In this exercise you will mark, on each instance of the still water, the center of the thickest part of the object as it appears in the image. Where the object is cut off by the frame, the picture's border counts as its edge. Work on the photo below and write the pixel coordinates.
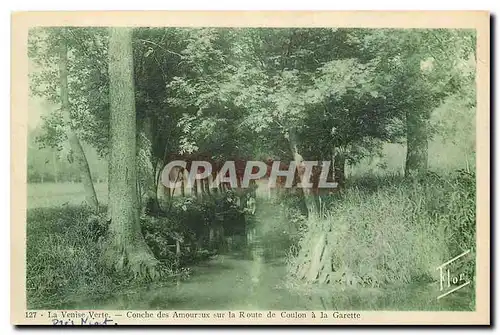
(238, 282)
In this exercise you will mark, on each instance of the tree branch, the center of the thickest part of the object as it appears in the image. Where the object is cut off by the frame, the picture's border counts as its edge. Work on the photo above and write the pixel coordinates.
(159, 46)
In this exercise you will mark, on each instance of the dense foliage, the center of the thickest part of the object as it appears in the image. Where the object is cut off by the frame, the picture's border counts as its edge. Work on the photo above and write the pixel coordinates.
(242, 92)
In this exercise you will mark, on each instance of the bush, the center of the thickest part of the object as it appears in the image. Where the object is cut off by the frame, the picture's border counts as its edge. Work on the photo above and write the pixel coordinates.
(194, 217)
(64, 246)
(457, 213)
(63, 258)
(392, 231)
(162, 234)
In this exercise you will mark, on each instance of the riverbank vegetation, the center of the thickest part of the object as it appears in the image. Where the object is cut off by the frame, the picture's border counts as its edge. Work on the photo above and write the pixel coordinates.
(393, 110)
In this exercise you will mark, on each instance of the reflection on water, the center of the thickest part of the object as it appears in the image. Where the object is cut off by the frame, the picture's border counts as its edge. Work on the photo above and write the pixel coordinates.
(235, 282)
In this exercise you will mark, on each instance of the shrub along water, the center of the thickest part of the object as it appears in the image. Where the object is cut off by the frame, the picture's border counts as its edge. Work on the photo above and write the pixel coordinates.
(65, 245)
(388, 231)
(63, 257)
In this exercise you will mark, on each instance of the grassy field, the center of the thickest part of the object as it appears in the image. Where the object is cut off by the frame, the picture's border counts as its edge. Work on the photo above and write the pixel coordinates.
(44, 195)
(444, 157)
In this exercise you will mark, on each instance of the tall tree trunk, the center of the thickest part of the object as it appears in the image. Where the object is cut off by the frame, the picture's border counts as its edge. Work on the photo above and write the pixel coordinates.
(56, 170)
(206, 183)
(126, 250)
(417, 143)
(194, 188)
(162, 193)
(147, 169)
(76, 147)
(310, 200)
(183, 188)
(339, 169)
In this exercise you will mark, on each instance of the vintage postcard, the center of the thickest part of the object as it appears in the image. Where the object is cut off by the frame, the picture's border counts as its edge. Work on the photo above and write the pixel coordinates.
(247, 168)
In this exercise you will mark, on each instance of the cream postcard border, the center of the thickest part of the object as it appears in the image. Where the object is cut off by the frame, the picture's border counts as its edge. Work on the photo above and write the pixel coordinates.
(479, 20)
